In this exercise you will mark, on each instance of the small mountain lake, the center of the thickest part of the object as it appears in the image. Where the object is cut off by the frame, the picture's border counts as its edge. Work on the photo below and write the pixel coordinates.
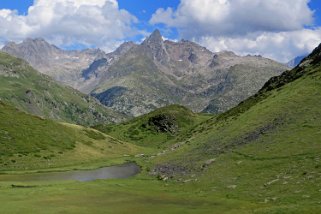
(111, 172)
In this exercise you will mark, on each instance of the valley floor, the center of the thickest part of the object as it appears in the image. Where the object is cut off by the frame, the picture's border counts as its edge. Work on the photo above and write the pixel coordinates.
(214, 191)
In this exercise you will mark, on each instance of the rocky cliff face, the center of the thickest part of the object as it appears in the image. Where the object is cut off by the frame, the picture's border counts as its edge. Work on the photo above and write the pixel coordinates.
(136, 79)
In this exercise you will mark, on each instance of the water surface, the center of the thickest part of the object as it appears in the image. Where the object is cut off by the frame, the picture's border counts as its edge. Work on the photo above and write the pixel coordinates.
(112, 172)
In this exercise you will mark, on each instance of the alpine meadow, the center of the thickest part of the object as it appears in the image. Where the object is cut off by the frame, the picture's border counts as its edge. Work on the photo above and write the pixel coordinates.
(185, 106)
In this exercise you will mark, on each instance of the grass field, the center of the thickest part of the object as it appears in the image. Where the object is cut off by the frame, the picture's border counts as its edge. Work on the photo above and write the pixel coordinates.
(31, 143)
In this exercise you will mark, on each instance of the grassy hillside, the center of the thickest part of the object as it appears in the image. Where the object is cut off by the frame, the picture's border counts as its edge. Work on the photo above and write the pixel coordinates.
(157, 129)
(35, 93)
(266, 150)
(29, 142)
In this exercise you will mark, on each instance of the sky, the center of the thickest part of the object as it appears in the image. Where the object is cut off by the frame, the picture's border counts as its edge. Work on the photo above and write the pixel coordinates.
(280, 30)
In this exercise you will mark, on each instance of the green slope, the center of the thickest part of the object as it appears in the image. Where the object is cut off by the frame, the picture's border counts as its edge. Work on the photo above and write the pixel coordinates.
(29, 142)
(35, 93)
(157, 129)
(266, 150)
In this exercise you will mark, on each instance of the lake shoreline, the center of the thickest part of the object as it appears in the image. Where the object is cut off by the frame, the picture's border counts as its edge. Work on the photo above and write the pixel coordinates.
(118, 171)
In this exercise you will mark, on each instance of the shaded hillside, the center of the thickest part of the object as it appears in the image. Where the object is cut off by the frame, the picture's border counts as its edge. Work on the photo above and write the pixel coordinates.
(28, 90)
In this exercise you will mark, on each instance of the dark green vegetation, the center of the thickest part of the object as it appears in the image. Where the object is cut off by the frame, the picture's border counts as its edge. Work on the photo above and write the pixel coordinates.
(35, 93)
(157, 129)
(262, 156)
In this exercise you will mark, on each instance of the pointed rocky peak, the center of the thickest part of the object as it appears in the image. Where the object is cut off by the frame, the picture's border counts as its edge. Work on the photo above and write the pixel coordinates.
(155, 46)
(154, 39)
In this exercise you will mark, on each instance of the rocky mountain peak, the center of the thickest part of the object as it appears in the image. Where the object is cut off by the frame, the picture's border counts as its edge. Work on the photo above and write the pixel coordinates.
(30, 46)
(155, 44)
(154, 39)
(39, 43)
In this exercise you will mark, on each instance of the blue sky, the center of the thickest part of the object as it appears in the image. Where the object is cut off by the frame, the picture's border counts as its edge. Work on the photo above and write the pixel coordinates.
(143, 9)
(316, 6)
(287, 30)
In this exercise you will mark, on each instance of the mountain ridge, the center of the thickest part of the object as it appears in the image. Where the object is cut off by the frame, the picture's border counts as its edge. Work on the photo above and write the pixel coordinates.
(160, 72)
(182, 73)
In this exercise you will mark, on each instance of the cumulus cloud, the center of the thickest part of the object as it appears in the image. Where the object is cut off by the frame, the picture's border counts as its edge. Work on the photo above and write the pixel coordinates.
(68, 22)
(274, 28)
(280, 46)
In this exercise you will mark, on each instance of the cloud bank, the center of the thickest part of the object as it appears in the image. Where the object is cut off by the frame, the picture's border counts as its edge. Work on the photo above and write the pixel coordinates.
(67, 22)
(274, 28)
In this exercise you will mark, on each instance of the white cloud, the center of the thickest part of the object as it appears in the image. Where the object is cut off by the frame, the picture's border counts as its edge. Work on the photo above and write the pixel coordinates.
(67, 22)
(272, 28)
(280, 46)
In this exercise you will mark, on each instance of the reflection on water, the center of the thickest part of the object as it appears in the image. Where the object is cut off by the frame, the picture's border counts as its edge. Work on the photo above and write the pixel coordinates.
(121, 171)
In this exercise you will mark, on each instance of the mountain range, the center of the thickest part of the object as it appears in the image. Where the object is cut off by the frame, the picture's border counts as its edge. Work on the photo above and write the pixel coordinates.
(138, 78)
